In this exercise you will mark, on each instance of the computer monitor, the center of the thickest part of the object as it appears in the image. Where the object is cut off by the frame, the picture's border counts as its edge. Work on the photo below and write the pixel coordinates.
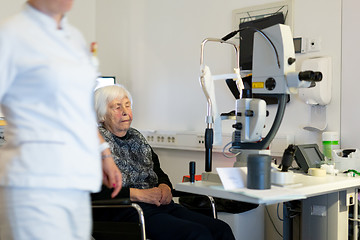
(247, 37)
(103, 81)
(308, 156)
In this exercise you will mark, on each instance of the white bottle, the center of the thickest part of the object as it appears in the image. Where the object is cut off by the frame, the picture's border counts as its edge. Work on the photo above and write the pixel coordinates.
(330, 141)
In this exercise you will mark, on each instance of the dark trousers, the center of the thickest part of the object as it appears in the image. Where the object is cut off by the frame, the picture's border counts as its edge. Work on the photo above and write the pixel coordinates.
(174, 221)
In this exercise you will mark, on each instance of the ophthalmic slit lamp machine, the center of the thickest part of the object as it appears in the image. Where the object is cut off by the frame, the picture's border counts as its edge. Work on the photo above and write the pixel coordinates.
(273, 75)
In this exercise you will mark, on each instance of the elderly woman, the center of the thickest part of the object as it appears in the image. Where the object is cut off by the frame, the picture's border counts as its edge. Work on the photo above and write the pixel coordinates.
(143, 179)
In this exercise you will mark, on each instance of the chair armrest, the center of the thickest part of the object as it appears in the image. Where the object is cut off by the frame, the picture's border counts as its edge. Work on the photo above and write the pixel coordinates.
(122, 203)
(176, 193)
(109, 202)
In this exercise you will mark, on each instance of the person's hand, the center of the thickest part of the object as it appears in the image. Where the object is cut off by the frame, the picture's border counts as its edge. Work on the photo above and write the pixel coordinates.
(112, 177)
(166, 195)
(151, 195)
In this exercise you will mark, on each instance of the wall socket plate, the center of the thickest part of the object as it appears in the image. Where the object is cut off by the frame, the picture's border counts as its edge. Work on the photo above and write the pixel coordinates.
(181, 140)
(350, 199)
(314, 44)
(196, 141)
(304, 45)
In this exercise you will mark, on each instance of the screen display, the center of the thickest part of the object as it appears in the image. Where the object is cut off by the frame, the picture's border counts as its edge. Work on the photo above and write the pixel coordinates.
(308, 156)
(313, 156)
(297, 45)
(247, 37)
(103, 81)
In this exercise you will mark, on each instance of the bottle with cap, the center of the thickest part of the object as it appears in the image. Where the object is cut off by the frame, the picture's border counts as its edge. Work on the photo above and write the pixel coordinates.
(330, 141)
(94, 51)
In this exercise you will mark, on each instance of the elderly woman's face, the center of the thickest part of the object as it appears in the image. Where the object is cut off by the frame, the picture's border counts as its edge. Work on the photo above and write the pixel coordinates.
(118, 116)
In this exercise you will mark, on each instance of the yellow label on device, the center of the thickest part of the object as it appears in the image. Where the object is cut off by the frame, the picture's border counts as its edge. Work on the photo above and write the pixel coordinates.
(257, 85)
(2, 122)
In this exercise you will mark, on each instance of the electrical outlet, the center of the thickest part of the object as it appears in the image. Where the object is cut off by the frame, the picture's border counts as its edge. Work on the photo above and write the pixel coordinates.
(150, 139)
(200, 140)
(180, 140)
(171, 139)
(350, 199)
(160, 139)
(314, 44)
(165, 139)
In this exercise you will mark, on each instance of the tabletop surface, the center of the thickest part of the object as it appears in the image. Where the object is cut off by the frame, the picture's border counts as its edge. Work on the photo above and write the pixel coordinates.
(304, 186)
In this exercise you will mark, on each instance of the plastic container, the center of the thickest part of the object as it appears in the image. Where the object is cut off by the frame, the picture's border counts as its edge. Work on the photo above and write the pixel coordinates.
(259, 171)
(330, 141)
(344, 163)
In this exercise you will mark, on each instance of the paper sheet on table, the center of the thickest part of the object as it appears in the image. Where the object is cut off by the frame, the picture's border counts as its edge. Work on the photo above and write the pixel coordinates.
(273, 195)
(232, 178)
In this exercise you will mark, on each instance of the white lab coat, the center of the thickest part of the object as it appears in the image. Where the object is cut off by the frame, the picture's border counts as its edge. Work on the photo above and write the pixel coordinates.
(46, 95)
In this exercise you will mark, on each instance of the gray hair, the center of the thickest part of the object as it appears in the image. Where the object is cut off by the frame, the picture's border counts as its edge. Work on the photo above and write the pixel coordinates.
(106, 94)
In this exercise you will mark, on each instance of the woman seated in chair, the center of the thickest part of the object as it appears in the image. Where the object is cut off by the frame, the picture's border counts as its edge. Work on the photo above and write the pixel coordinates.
(144, 182)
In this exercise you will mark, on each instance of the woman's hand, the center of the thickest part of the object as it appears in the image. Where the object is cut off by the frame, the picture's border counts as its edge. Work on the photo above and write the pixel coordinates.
(158, 195)
(151, 195)
(166, 195)
(112, 177)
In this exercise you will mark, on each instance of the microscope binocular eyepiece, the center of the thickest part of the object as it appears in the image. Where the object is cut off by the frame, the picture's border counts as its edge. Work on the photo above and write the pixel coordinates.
(310, 76)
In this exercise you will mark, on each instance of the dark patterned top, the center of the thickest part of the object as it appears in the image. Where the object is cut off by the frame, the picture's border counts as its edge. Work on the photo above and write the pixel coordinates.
(137, 161)
(132, 154)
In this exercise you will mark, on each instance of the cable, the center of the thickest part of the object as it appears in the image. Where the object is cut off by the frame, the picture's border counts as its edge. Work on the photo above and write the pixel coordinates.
(232, 34)
(352, 171)
(229, 155)
(272, 222)
(277, 212)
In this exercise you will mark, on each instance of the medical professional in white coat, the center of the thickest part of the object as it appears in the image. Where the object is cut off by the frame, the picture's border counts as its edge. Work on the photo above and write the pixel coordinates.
(52, 158)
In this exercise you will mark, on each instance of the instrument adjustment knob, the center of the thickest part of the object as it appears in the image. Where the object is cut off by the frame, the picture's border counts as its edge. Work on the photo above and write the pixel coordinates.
(270, 84)
(291, 60)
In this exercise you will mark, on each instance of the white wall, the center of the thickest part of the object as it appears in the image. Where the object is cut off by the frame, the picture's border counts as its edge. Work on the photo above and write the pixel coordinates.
(153, 47)
(350, 110)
